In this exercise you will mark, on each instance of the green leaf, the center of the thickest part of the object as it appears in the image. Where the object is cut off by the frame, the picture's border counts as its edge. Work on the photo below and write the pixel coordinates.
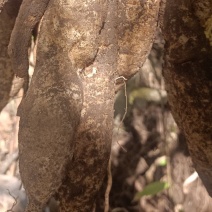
(162, 161)
(152, 189)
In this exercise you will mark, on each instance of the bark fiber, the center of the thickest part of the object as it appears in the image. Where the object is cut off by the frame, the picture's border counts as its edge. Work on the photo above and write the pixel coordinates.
(187, 73)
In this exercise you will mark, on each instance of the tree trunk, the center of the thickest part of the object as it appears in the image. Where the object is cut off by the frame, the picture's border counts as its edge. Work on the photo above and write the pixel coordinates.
(66, 118)
(187, 72)
(75, 65)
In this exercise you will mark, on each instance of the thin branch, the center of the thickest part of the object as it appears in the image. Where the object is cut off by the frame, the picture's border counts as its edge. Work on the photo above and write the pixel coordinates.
(125, 110)
(109, 185)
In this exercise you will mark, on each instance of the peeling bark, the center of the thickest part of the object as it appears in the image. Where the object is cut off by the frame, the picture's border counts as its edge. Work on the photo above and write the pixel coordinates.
(7, 20)
(187, 73)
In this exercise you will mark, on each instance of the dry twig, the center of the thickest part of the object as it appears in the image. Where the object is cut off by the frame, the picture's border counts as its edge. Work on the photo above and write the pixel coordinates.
(14, 203)
(109, 185)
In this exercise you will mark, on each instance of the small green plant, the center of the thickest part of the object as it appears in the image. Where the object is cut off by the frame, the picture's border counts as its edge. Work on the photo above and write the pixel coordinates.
(152, 189)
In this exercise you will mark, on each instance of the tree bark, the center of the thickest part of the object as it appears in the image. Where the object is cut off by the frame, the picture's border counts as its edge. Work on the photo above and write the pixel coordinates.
(8, 13)
(137, 22)
(94, 134)
(66, 118)
(187, 73)
(75, 63)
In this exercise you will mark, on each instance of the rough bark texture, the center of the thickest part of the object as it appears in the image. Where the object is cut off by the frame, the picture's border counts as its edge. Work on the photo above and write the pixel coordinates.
(187, 73)
(94, 134)
(67, 115)
(137, 21)
(72, 56)
(7, 20)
